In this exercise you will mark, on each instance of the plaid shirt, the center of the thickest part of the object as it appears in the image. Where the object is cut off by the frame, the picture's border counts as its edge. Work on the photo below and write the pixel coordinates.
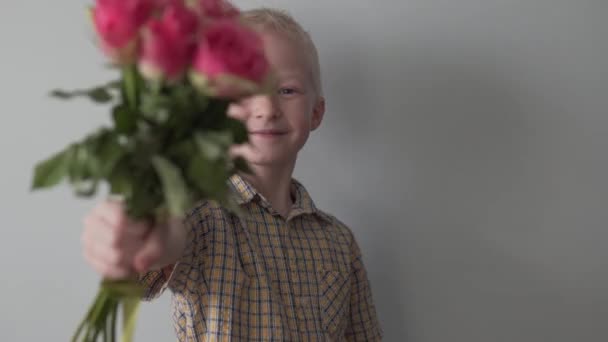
(262, 277)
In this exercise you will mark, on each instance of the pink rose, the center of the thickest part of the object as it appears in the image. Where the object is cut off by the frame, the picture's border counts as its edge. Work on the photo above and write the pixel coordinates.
(118, 23)
(230, 60)
(169, 43)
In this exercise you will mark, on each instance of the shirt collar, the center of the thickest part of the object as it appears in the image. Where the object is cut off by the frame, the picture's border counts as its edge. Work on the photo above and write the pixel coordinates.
(244, 192)
(303, 203)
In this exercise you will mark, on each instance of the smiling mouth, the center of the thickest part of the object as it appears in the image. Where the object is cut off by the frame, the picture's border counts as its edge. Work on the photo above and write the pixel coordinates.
(268, 133)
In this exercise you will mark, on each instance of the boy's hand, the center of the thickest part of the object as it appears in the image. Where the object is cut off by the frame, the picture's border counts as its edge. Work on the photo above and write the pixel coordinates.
(117, 247)
(237, 110)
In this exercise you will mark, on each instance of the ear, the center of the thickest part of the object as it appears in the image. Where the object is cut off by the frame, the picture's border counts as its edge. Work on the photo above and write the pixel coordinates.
(317, 113)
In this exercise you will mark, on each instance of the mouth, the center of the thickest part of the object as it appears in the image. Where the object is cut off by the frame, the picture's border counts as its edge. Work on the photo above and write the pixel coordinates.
(267, 133)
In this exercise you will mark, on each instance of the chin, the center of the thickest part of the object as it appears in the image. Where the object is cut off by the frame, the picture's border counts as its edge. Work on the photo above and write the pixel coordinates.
(271, 160)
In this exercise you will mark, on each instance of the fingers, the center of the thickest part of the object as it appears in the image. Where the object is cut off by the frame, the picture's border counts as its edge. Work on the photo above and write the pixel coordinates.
(108, 261)
(149, 253)
(136, 230)
(110, 239)
(243, 150)
(97, 232)
(237, 111)
(112, 212)
(240, 112)
(105, 269)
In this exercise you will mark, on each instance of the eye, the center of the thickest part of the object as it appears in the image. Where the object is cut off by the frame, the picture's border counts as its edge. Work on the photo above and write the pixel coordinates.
(287, 91)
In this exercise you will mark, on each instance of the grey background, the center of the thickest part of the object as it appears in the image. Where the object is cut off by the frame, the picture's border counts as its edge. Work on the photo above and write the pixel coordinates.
(465, 143)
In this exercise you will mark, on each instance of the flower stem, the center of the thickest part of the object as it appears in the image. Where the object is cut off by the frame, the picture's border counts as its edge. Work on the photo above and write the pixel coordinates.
(130, 85)
(114, 312)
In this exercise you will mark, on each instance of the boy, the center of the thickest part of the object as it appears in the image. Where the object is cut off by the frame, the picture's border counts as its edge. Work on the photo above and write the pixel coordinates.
(285, 271)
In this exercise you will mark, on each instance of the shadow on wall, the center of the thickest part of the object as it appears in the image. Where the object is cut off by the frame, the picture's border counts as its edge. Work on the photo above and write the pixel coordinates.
(450, 131)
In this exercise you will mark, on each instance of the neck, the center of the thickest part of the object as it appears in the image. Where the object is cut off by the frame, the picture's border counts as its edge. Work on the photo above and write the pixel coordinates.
(274, 184)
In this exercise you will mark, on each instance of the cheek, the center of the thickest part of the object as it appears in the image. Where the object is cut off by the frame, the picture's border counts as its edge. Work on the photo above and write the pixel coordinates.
(299, 115)
(303, 132)
(303, 124)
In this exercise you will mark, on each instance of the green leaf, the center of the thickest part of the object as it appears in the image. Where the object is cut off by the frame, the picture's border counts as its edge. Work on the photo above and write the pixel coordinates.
(79, 167)
(82, 169)
(86, 188)
(239, 131)
(213, 144)
(100, 95)
(125, 119)
(156, 107)
(120, 180)
(174, 188)
(109, 153)
(183, 150)
(240, 164)
(146, 191)
(97, 94)
(116, 84)
(63, 94)
(201, 101)
(182, 95)
(209, 176)
(51, 171)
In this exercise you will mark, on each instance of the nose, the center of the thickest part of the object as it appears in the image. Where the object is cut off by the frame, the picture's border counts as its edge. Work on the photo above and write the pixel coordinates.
(264, 107)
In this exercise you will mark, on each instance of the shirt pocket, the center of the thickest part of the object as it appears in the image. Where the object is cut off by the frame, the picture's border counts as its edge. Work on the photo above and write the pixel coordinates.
(334, 297)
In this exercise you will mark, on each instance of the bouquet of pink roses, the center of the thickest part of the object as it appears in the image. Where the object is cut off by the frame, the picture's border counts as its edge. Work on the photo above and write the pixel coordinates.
(181, 63)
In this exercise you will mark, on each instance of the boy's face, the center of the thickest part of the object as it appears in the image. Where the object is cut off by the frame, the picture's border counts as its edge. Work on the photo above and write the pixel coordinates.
(279, 124)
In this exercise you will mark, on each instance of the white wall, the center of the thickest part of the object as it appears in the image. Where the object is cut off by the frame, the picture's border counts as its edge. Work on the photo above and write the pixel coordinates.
(465, 144)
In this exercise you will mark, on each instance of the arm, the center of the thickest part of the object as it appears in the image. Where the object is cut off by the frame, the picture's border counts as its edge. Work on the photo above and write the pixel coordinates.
(363, 322)
(172, 269)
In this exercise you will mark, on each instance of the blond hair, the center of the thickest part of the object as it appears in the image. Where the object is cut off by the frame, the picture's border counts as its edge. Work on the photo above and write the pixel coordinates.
(280, 21)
